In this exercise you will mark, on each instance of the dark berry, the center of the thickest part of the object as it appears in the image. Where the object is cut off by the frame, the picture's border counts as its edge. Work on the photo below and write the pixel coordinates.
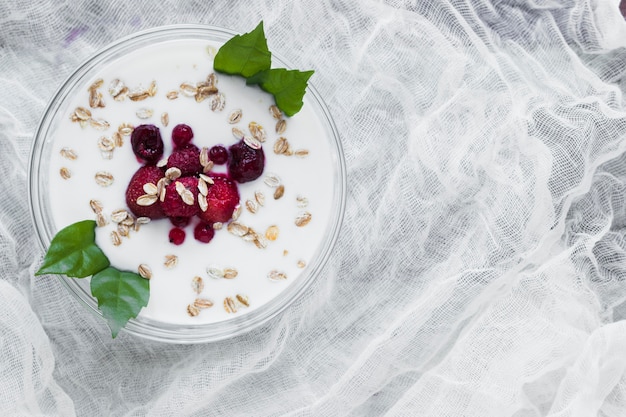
(218, 154)
(187, 159)
(173, 204)
(203, 232)
(222, 198)
(177, 236)
(147, 143)
(144, 175)
(181, 135)
(244, 163)
(179, 221)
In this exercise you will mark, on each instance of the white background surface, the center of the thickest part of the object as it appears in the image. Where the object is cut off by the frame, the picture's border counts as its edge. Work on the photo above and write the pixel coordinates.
(481, 269)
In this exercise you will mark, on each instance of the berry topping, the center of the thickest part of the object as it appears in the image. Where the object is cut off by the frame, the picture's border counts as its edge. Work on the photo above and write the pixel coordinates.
(135, 190)
(222, 198)
(179, 221)
(181, 198)
(218, 154)
(181, 135)
(244, 163)
(203, 232)
(177, 236)
(187, 159)
(147, 143)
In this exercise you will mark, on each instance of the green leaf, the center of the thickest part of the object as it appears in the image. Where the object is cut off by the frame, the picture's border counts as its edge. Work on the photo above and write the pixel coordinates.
(120, 294)
(73, 252)
(245, 54)
(287, 87)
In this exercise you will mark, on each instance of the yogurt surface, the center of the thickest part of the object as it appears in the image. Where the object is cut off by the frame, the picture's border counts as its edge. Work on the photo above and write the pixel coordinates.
(308, 182)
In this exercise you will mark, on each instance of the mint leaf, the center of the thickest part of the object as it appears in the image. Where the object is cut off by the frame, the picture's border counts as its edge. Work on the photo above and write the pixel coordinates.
(73, 252)
(120, 294)
(287, 87)
(245, 54)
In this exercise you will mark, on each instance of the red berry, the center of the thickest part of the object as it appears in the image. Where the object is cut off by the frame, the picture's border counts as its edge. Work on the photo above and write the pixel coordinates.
(204, 232)
(222, 198)
(144, 175)
(244, 163)
(177, 236)
(181, 135)
(147, 143)
(173, 204)
(180, 221)
(187, 159)
(218, 154)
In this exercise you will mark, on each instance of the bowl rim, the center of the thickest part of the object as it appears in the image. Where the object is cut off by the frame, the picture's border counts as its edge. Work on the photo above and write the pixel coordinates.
(165, 332)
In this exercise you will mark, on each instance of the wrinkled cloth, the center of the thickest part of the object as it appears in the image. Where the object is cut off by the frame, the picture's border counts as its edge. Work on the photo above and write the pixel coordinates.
(481, 266)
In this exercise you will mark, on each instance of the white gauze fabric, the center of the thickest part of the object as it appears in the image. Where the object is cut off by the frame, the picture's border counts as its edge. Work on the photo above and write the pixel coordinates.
(481, 268)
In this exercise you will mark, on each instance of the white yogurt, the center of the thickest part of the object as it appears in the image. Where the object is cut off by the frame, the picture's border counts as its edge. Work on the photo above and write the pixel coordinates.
(169, 64)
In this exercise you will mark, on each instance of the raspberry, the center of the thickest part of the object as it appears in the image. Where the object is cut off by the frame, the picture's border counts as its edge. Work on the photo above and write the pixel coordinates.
(218, 154)
(222, 198)
(203, 232)
(144, 175)
(181, 135)
(177, 236)
(147, 143)
(173, 205)
(187, 159)
(244, 163)
(179, 221)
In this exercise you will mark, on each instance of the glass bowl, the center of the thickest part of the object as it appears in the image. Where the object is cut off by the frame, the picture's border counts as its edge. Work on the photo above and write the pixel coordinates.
(43, 154)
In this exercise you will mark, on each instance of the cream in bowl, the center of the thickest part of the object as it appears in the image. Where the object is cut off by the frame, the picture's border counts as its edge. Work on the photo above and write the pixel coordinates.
(197, 182)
